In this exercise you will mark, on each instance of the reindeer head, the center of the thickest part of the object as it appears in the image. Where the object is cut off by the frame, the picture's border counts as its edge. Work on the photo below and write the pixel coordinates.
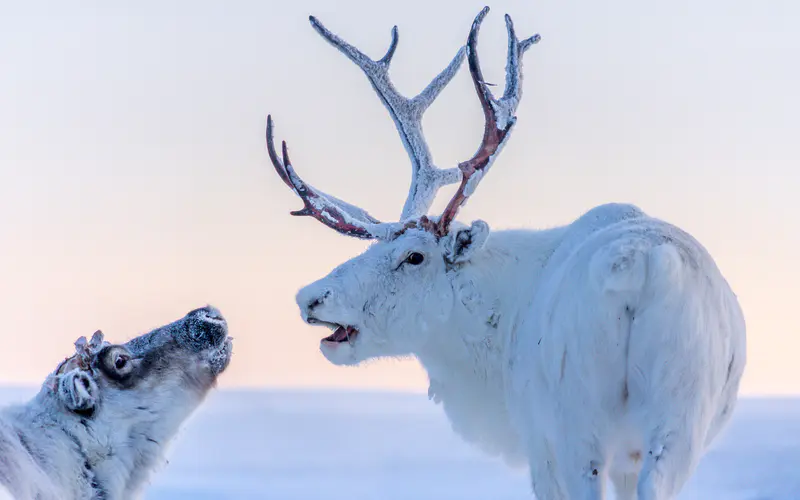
(120, 404)
(154, 380)
(387, 300)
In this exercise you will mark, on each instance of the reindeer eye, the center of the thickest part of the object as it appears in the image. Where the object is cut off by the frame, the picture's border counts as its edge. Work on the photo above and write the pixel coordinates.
(415, 258)
(120, 361)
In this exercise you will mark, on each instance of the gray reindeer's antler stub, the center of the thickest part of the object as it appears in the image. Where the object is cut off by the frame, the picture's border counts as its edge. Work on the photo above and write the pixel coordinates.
(84, 352)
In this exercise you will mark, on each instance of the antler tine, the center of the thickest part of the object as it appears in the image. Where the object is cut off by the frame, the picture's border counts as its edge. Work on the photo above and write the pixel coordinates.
(499, 115)
(426, 178)
(331, 211)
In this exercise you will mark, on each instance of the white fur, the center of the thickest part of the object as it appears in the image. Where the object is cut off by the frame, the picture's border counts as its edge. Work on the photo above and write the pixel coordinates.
(611, 347)
(48, 451)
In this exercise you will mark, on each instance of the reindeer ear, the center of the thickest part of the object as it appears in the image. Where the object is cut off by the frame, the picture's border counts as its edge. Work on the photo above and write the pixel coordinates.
(461, 244)
(77, 390)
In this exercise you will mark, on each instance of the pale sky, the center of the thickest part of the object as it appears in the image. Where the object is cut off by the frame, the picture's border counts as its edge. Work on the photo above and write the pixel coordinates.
(135, 183)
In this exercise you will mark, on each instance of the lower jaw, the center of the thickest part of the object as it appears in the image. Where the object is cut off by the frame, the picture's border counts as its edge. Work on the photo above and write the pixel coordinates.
(331, 344)
(221, 359)
(334, 341)
(338, 353)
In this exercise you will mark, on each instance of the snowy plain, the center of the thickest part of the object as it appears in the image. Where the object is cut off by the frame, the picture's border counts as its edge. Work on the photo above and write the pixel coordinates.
(339, 445)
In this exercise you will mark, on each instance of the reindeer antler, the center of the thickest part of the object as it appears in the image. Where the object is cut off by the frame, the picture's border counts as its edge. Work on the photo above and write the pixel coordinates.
(426, 178)
(84, 351)
(339, 215)
(499, 114)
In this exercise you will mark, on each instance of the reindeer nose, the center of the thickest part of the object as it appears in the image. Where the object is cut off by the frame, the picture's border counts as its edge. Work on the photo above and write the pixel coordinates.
(207, 325)
(310, 298)
(211, 313)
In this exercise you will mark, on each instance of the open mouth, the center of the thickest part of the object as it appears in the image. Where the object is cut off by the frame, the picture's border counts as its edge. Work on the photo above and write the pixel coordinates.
(340, 333)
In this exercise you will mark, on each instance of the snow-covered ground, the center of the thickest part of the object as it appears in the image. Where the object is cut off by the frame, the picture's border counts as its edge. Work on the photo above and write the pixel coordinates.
(293, 445)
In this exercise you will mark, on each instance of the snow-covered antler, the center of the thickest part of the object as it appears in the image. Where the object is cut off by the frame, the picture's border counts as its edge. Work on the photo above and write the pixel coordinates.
(407, 113)
(339, 215)
(499, 114)
(426, 178)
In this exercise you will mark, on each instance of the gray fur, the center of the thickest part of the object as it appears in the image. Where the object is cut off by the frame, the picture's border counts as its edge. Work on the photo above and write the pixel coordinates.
(100, 423)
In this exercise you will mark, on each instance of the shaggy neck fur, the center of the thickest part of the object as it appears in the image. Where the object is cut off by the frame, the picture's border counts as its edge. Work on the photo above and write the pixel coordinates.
(465, 362)
(77, 455)
(53, 443)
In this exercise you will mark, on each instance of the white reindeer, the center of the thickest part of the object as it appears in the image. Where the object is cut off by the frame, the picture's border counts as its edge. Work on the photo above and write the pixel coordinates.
(100, 423)
(610, 347)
